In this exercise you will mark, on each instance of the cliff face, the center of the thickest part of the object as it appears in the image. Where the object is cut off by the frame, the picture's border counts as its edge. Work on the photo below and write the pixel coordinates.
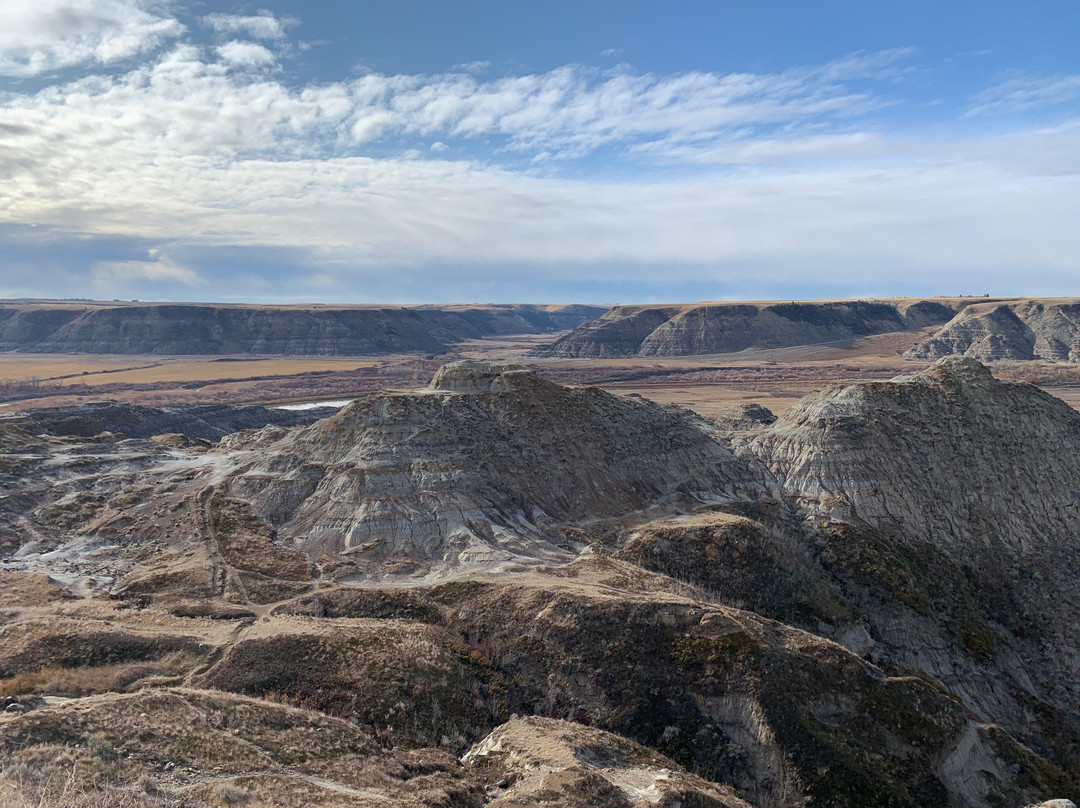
(206, 329)
(618, 333)
(1030, 329)
(729, 327)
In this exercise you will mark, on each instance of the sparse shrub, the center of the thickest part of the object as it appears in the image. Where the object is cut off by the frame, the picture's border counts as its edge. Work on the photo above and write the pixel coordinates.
(230, 793)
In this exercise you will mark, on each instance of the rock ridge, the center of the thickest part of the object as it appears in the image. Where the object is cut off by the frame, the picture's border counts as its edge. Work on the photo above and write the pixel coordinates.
(178, 329)
(707, 328)
(1024, 330)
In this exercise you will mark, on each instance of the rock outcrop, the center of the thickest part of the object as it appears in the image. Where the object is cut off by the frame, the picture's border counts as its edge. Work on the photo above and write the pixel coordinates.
(1021, 330)
(541, 761)
(783, 716)
(315, 331)
(950, 500)
(708, 328)
(483, 464)
(203, 421)
(871, 600)
(235, 750)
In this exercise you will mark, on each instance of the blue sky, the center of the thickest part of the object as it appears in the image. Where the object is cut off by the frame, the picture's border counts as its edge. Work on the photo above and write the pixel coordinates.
(419, 151)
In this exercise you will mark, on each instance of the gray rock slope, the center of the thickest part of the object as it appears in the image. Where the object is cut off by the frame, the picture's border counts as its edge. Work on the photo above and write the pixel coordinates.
(486, 458)
(942, 510)
(928, 524)
(727, 327)
(1028, 329)
(206, 421)
(325, 331)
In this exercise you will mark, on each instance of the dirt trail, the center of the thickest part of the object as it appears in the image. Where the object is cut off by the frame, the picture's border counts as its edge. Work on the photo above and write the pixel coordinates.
(286, 774)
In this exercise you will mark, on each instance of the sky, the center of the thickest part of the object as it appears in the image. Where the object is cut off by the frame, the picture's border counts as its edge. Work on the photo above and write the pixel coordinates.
(406, 151)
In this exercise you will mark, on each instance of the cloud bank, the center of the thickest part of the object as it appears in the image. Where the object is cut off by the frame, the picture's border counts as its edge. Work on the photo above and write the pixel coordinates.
(198, 148)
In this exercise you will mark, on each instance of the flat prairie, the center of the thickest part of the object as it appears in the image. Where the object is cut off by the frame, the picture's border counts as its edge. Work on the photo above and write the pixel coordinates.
(65, 369)
(707, 384)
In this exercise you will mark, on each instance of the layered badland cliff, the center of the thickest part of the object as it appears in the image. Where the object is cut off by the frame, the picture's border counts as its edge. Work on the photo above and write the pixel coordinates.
(1028, 329)
(869, 601)
(315, 331)
(1046, 329)
(709, 328)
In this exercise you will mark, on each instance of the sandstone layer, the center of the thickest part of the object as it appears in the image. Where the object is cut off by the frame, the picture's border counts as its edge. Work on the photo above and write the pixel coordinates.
(205, 422)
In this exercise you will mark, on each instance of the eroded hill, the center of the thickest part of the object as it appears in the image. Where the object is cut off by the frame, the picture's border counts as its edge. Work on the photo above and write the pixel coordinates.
(1021, 330)
(713, 328)
(868, 601)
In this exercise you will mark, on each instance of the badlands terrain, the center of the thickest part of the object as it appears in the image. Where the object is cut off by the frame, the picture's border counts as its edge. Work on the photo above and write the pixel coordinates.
(513, 571)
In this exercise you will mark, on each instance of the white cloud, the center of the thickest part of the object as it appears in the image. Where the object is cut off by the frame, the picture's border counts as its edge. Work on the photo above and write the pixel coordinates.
(772, 170)
(260, 26)
(245, 54)
(38, 36)
(110, 274)
(1024, 92)
(880, 65)
(472, 67)
(575, 109)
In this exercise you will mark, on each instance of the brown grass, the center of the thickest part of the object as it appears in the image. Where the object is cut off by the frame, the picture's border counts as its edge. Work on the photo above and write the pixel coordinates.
(61, 792)
(77, 682)
(98, 370)
(711, 400)
(22, 589)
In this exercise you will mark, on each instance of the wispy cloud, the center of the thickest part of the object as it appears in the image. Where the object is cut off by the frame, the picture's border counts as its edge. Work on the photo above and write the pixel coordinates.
(260, 26)
(246, 54)
(108, 275)
(38, 36)
(201, 148)
(1024, 92)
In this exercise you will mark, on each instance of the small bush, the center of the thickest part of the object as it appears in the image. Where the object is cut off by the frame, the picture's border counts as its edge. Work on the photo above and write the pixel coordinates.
(230, 794)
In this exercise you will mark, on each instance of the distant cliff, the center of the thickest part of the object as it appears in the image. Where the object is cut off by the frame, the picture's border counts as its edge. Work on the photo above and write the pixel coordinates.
(1024, 329)
(706, 328)
(315, 331)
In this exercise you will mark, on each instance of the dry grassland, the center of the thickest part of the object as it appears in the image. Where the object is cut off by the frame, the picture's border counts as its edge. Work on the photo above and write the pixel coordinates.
(99, 370)
(711, 400)
(708, 384)
(16, 367)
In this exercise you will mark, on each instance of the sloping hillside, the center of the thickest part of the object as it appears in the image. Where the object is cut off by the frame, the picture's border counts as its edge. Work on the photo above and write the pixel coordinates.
(1021, 330)
(871, 600)
(709, 328)
(170, 329)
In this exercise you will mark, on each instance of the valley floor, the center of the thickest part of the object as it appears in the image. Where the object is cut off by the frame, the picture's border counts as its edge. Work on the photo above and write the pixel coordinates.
(707, 384)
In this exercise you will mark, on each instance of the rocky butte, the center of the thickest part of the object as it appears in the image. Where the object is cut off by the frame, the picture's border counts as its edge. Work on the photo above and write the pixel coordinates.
(501, 591)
